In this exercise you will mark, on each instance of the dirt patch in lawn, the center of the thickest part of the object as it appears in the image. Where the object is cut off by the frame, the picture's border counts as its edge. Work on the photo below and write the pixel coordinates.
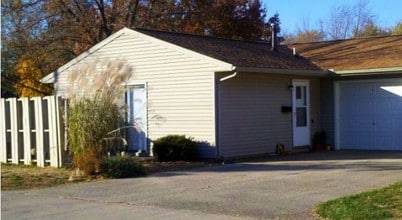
(18, 177)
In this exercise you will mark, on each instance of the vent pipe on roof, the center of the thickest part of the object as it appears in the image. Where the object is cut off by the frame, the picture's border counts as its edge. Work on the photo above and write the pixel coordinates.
(208, 32)
(273, 37)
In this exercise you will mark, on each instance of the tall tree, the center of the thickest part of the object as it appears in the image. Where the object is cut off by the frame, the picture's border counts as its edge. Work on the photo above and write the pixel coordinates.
(347, 21)
(49, 33)
(305, 33)
(305, 37)
(22, 25)
(362, 17)
(239, 19)
(276, 21)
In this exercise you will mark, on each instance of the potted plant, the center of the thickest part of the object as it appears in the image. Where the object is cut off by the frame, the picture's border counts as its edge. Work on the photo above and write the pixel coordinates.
(319, 141)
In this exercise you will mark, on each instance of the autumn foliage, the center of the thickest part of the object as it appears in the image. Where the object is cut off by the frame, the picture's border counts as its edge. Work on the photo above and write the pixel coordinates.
(38, 36)
(29, 76)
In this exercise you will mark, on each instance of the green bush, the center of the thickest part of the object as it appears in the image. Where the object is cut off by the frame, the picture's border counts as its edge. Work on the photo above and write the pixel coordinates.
(174, 148)
(121, 167)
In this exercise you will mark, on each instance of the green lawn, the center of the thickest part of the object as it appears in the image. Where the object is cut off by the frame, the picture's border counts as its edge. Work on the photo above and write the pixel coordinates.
(377, 204)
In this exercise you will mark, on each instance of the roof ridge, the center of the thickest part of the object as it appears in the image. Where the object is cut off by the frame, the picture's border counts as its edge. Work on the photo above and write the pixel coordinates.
(202, 36)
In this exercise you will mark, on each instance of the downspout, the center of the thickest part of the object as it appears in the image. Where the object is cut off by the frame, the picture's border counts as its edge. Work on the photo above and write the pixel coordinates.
(234, 74)
(229, 76)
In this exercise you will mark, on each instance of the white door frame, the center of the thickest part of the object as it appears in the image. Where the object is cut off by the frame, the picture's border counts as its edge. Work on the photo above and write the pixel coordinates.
(145, 125)
(301, 134)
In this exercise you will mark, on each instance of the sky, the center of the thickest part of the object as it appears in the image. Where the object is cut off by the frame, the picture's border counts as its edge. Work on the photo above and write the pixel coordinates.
(291, 12)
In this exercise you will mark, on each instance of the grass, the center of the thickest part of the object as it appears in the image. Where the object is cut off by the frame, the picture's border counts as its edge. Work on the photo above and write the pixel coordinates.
(18, 177)
(382, 203)
(21, 177)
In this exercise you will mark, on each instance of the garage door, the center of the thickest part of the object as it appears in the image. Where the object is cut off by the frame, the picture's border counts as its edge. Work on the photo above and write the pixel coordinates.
(370, 115)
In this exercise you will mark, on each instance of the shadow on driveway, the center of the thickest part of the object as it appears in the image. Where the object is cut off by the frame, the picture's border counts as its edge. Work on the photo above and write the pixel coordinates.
(344, 160)
(335, 155)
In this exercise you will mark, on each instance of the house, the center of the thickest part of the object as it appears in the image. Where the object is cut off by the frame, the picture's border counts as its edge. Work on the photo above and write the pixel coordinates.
(366, 104)
(242, 97)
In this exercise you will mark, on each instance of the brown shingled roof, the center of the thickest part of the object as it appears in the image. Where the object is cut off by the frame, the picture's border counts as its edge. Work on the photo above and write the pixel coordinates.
(354, 54)
(236, 52)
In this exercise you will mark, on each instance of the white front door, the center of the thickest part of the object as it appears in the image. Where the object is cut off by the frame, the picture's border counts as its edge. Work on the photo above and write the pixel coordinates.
(301, 112)
(137, 118)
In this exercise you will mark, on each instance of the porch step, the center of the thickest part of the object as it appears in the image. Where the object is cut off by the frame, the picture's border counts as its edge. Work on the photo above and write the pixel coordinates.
(140, 154)
(303, 149)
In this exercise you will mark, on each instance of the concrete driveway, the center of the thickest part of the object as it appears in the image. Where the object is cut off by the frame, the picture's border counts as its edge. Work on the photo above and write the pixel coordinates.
(286, 187)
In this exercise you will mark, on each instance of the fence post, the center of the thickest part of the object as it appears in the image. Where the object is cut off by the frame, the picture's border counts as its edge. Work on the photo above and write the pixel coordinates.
(26, 127)
(60, 130)
(3, 132)
(40, 157)
(14, 131)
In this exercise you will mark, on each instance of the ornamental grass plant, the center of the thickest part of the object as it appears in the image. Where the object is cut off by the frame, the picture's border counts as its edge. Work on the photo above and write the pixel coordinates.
(95, 108)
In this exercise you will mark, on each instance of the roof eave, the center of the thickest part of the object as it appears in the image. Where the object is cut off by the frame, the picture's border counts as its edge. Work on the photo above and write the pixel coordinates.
(317, 73)
(50, 78)
(365, 72)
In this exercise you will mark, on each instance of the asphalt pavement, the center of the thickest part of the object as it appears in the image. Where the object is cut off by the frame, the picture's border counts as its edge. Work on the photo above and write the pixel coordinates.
(274, 187)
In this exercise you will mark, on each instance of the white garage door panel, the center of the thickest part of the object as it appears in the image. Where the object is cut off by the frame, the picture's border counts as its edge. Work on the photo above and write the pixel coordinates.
(397, 107)
(370, 115)
(385, 105)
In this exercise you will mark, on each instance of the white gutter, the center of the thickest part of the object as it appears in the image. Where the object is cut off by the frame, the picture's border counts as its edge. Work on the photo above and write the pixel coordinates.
(319, 73)
(369, 71)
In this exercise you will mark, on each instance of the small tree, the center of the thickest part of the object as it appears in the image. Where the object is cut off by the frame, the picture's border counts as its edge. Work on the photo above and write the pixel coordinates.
(305, 33)
(94, 111)
(397, 29)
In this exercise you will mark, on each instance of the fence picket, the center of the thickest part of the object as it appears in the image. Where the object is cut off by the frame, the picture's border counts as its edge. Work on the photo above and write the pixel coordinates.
(14, 130)
(26, 131)
(60, 109)
(40, 157)
(53, 151)
(3, 132)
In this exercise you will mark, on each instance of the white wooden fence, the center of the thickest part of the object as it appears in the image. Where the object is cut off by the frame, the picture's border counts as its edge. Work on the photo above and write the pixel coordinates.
(32, 131)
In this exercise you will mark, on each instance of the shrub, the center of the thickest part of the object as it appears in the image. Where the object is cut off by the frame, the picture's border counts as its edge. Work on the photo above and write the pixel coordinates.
(121, 167)
(87, 161)
(174, 148)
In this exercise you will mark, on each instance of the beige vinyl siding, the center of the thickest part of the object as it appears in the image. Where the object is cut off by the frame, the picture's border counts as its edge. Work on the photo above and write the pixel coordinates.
(180, 86)
(250, 117)
(327, 108)
(315, 100)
